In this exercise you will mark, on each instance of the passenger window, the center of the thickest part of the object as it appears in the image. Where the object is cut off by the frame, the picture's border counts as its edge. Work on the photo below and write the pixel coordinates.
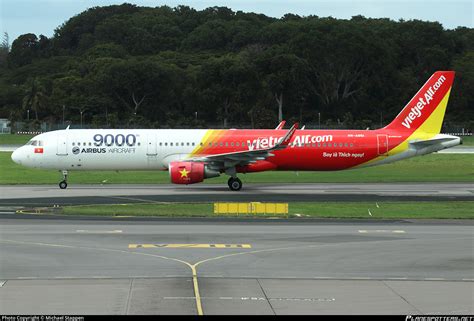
(222, 144)
(237, 144)
(187, 144)
(182, 144)
(243, 144)
(232, 144)
(340, 144)
(210, 144)
(345, 144)
(171, 144)
(352, 145)
(329, 145)
(324, 145)
(226, 144)
(78, 144)
(161, 144)
(73, 144)
(166, 144)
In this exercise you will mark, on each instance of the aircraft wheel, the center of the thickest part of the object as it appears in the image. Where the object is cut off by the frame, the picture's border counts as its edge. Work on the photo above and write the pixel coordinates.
(62, 185)
(235, 184)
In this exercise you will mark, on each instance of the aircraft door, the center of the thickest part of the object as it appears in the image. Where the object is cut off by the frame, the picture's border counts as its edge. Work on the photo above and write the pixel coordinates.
(62, 144)
(151, 149)
(382, 145)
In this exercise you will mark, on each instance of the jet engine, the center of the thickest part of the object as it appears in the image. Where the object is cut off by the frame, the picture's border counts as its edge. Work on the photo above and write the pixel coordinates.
(190, 172)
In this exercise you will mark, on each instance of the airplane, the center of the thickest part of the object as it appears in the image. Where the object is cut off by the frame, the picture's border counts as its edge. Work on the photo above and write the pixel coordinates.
(192, 155)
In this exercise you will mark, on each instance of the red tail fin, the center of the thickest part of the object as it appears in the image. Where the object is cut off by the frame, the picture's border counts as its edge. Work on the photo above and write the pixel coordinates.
(426, 109)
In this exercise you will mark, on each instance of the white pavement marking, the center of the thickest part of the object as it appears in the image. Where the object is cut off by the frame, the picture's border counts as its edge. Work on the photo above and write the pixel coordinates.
(93, 231)
(250, 298)
(2, 283)
(382, 231)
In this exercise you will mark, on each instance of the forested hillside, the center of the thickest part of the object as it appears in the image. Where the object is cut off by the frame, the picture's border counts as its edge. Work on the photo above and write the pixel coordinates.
(125, 65)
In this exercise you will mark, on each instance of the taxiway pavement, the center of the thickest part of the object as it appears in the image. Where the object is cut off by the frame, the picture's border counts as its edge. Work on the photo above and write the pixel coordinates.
(79, 266)
(49, 195)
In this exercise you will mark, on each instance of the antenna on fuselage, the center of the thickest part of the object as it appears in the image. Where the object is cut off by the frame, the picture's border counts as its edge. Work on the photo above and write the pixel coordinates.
(67, 127)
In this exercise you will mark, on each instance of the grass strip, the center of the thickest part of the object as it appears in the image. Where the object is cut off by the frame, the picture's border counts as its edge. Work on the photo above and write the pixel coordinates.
(12, 139)
(342, 210)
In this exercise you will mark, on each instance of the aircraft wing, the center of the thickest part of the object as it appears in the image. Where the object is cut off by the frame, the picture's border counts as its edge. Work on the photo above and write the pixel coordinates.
(246, 157)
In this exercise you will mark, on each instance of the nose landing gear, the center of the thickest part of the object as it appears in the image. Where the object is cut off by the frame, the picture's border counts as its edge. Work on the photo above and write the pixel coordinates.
(63, 183)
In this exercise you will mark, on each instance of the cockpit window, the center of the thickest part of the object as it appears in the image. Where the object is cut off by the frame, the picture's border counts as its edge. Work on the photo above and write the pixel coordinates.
(35, 143)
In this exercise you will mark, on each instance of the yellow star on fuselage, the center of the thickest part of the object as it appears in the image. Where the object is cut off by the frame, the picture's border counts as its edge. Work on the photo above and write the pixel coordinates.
(184, 173)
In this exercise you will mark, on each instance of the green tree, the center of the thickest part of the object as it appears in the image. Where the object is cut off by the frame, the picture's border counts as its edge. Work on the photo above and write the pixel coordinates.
(24, 49)
(4, 50)
(133, 82)
(226, 83)
(287, 77)
(35, 97)
(463, 88)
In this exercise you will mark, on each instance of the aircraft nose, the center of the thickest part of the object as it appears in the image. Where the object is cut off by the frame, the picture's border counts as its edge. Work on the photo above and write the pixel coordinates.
(16, 156)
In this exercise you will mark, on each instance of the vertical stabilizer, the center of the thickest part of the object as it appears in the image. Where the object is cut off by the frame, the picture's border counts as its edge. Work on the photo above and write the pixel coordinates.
(425, 111)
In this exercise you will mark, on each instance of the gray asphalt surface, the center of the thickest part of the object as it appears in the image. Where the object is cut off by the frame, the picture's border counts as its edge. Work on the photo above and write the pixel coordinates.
(79, 266)
(49, 195)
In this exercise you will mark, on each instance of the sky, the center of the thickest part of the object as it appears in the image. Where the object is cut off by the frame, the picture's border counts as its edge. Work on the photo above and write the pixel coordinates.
(18, 17)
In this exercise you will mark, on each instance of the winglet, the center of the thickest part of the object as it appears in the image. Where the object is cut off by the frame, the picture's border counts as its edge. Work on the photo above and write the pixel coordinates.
(287, 138)
(280, 125)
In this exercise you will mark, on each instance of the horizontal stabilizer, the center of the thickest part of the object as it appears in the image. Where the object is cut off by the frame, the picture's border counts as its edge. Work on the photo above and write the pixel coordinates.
(438, 142)
(434, 141)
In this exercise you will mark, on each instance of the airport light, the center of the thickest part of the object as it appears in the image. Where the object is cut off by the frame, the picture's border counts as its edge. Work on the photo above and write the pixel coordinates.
(81, 111)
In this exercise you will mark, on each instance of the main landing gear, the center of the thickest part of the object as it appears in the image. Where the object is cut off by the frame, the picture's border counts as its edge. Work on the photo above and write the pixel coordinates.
(63, 183)
(235, 184)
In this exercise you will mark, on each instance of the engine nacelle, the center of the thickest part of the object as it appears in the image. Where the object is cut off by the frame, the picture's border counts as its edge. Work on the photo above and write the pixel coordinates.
(190, 172)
